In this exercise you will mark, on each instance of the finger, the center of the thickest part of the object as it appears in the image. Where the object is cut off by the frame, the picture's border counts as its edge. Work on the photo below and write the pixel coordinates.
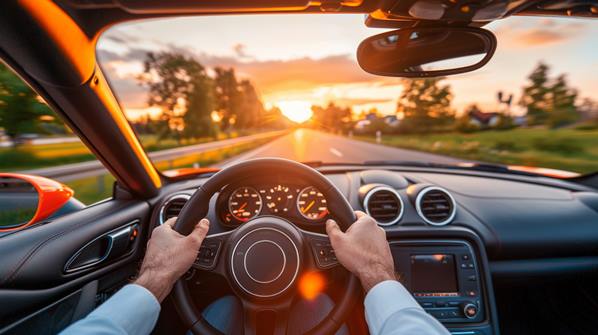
(360, 214)
(199, 232)
(334, 231)
(170, 222)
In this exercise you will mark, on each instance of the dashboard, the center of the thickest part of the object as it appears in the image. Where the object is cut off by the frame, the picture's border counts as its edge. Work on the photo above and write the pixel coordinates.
(451, 233)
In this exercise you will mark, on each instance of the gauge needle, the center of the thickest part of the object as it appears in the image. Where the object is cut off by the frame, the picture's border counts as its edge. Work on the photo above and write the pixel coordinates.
(241, 208)
(308, 206)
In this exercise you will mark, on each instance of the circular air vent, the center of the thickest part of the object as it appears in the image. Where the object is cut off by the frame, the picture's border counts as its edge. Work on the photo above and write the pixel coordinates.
(436, 206)
(384, 204)
(172, 207)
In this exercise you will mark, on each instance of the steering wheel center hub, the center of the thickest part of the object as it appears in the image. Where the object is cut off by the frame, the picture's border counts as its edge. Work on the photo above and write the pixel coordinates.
(264, 261)
(264, 258)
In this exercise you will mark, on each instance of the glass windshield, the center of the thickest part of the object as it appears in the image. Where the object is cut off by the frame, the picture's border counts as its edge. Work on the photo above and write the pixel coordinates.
(203, 91)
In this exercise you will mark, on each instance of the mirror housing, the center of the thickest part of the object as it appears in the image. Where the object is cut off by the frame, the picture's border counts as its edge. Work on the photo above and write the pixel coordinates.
(419, 52)
(34, 198)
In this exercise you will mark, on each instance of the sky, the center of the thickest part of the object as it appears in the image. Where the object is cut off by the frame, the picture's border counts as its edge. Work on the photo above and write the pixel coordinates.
(303, 59)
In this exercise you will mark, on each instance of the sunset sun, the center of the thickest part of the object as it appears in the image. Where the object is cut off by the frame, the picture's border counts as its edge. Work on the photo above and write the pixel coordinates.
(297, 111)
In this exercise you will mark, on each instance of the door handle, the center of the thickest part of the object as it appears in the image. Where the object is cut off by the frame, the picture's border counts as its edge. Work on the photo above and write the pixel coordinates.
(109, 246)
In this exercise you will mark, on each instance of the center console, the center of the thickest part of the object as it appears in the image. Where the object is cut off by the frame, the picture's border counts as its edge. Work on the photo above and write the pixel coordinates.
(446, 278)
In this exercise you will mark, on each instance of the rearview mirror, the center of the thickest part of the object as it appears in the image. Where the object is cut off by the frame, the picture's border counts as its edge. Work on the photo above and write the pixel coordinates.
(426, 52)
(26, 199)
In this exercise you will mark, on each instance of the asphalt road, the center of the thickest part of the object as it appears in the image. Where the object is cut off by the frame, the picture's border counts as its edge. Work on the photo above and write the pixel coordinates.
(306, 145)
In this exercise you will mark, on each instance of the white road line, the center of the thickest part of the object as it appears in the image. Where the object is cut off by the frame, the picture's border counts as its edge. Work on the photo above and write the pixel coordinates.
(336, 152)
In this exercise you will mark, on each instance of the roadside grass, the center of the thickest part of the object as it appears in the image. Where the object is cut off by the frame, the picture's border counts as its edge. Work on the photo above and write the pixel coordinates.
(565, 149)
(93, 189)
(45, 155)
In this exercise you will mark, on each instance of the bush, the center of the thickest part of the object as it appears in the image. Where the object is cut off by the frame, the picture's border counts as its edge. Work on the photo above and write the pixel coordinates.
(463, 125)
(559, 145)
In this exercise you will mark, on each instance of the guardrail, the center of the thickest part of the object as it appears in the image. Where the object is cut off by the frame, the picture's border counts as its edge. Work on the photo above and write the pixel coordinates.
(68, 172)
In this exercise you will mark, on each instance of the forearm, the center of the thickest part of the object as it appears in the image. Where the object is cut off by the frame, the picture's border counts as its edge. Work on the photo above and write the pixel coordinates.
(133, 310)
(390, 309)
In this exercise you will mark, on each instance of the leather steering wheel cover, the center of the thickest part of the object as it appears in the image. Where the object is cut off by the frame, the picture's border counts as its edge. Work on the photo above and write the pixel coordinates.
(198, 205)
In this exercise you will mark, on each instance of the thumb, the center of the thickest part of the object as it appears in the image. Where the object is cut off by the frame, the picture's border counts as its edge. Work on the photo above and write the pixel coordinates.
(334, 232)
(199, 232)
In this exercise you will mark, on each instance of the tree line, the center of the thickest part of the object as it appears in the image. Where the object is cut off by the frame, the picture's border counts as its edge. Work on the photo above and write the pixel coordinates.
(195, 104)
(424, 106)
(194, 101)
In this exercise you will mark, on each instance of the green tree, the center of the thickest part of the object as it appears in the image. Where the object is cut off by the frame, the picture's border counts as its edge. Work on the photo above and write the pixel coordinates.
(180, 86)
(562, 110)
(535, 96)
(228, 97)
(21, 109)
(332, 117)
(425, 105)
(251, 111)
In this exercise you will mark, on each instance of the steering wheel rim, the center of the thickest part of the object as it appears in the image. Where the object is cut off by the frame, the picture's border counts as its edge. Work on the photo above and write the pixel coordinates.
(198, 205)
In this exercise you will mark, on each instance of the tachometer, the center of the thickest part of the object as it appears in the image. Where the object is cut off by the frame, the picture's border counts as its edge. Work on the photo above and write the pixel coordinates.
(278, 199)
(244, 203)
(311, 204)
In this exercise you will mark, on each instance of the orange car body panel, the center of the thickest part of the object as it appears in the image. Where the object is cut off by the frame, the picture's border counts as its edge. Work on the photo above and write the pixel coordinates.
(52, 196)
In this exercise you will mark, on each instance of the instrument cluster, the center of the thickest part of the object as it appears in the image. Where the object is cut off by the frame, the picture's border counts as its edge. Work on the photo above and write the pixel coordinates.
(242, 202)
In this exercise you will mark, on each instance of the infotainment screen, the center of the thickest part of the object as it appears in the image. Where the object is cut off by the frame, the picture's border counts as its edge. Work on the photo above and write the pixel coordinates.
(433, 274)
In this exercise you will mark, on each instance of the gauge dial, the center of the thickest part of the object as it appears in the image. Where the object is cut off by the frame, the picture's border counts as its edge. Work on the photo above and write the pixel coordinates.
(244, 203)
(278, 199)
(312, 204)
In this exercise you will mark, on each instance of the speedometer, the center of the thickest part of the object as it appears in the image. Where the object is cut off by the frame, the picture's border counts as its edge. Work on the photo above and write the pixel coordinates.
(244, 203)
(312, 204)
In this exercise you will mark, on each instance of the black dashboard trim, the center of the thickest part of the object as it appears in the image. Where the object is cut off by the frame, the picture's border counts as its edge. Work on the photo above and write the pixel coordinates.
(543, 267)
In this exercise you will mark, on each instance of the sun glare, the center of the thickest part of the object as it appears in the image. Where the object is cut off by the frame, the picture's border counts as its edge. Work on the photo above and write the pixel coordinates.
(297, 111)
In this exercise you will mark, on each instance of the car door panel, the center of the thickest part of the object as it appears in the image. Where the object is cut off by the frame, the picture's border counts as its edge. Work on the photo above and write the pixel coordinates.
(32, 267)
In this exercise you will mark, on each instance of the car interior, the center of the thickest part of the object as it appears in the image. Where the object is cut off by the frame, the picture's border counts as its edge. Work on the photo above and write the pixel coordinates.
(485, 250)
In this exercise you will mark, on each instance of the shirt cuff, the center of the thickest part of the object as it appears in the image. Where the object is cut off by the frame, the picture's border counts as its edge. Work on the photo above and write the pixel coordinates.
(133, 308)
(384, 300)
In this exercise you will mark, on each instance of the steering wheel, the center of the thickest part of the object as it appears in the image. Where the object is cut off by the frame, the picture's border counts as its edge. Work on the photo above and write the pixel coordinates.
(263, 258)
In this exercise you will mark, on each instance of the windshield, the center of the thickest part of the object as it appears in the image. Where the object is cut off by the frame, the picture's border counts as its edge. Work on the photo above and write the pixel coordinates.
(204, 91)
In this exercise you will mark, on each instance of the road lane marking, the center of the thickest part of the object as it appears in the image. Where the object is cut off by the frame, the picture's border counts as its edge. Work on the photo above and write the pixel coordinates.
(336, 152)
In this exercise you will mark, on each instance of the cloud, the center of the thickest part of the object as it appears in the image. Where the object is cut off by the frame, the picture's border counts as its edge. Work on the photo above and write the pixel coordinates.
(269, 75)
(545, 32)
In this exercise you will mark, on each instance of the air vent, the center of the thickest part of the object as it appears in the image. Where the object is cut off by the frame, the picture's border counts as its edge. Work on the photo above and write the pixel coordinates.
(172, 207)
(436, 206)
(384, 204)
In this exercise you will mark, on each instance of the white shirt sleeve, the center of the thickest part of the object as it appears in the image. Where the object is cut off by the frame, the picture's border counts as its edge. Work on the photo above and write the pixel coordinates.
(391, 310)
(133, 310)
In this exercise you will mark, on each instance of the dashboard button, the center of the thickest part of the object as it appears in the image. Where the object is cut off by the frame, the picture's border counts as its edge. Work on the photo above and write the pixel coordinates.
(470, 311)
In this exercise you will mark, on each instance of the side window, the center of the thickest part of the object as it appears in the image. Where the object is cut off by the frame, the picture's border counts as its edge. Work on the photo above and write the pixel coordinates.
(39, 153)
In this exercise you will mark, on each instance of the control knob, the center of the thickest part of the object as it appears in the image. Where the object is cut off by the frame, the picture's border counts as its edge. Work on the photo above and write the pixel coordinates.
(470, 310)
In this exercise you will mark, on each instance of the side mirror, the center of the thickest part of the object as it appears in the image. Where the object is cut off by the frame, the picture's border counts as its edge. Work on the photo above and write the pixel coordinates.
(26, 199)
(426, 52)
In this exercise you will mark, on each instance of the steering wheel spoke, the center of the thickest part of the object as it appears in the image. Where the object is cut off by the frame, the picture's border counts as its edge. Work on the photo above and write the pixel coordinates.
(210, 254)
(266, 318)
(323, 256)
